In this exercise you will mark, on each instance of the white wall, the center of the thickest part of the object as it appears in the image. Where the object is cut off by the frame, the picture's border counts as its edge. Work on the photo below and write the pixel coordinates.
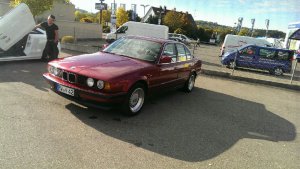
(79, 30)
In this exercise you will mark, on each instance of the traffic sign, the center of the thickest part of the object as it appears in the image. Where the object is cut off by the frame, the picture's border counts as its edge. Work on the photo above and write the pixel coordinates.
(100, 6)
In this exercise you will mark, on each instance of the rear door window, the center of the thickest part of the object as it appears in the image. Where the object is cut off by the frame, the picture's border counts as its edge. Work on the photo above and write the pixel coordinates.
(189, 56)
(267, 53)
(181, 53)
(284, 55)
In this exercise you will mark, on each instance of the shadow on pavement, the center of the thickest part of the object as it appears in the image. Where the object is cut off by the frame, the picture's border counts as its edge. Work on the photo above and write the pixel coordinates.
(190, 127)
(29, 72)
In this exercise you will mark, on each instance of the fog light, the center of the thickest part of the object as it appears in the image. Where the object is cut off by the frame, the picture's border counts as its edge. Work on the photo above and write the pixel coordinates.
(90, 82)
(100, 84)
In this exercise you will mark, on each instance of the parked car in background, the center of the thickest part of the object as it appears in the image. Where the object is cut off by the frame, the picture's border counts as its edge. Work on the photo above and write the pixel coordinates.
(139, 29)
(124, 73)
(233, 42)
(176, 39)
(180, 37)
(21, 43)
(276, 61)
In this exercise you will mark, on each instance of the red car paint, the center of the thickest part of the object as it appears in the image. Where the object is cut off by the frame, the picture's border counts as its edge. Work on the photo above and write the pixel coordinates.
(120, 73)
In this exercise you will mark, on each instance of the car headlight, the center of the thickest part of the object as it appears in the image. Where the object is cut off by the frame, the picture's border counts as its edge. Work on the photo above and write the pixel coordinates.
(50, 69)
(90, 82)
(100, 84)
(56, 71)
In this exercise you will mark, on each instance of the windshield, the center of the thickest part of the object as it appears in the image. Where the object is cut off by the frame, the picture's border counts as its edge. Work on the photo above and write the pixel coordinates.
(135, 48)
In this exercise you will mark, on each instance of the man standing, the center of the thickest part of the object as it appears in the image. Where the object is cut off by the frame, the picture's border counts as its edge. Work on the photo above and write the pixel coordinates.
(51, 50)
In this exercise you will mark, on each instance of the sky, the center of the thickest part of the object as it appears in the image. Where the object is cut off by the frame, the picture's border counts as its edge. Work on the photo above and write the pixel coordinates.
(224, 12)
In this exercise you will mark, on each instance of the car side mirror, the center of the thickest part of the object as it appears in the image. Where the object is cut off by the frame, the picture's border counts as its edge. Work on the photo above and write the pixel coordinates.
(165, 59)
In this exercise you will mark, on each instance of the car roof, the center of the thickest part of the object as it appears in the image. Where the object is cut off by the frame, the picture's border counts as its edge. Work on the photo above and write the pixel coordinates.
(264, 47)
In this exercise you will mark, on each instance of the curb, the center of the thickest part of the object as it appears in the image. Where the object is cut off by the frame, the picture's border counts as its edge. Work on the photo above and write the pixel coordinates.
(80, 48)
(250, 80)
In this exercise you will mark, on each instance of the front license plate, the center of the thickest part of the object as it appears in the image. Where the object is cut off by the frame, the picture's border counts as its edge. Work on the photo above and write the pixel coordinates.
(66, 90)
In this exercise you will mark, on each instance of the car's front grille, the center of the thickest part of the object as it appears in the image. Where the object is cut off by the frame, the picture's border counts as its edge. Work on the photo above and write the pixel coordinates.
(65, 76)
(81, 80)
(70, 77)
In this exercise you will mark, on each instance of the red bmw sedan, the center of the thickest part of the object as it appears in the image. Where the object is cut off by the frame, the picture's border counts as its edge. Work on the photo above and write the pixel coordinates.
(124, 73)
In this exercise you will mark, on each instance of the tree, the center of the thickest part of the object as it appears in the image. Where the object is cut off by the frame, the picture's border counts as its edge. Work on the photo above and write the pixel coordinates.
(244, 32)
(188, 26)
(105, 17)
(79, 15)
(179, 31)
(152, 19)
(122, 16)
(137, 18)
(36, 7)
(173, 20)
(87, 20)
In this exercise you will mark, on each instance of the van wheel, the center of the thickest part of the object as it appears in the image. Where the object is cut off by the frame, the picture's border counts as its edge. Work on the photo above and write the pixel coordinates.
(190, 83)
(134, 100)
(231, 65)
(278, 71)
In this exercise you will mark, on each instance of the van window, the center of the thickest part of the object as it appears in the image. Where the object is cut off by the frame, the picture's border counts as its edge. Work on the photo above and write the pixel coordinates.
(267, 53)
(181, 53)
(284, 55)
(250, 50)
(169, 50)
(122, 29)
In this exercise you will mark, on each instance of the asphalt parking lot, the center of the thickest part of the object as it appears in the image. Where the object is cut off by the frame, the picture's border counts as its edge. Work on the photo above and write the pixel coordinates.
(221, 124)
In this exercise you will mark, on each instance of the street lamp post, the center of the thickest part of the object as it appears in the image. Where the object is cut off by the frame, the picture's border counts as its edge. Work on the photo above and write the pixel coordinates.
(267, 25)
(101, 1)
(145, 6)
(252, 28)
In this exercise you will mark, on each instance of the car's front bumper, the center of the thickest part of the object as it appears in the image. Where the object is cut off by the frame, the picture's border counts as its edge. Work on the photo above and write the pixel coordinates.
(86, 97)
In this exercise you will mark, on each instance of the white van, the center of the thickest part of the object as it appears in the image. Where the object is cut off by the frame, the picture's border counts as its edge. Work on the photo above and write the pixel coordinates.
(139, 29)
(24, 43)
(233, 42)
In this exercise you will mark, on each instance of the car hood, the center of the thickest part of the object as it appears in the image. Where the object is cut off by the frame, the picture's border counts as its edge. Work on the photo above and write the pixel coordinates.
(101, 65)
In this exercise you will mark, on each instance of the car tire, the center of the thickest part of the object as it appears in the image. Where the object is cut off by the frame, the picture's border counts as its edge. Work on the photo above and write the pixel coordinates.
(277, 71)
(231, 65)
(190, 83)
(135, 100)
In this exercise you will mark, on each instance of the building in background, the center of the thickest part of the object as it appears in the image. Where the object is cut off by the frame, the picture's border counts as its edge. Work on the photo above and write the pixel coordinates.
(157, 12)
(123, 6)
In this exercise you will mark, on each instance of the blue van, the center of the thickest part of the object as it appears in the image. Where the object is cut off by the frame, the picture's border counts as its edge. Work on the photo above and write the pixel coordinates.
(276, 61)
